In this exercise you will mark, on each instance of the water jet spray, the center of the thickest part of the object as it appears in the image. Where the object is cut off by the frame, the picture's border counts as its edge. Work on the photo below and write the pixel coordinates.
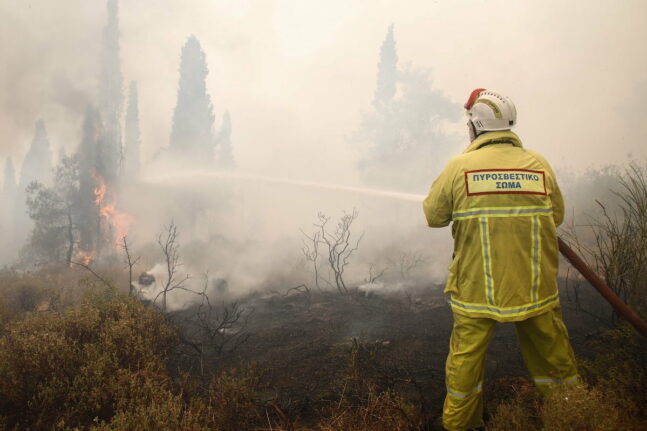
(578, 263)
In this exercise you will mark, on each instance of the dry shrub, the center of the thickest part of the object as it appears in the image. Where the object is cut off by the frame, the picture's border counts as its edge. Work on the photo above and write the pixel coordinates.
(574, 407)
(360, 376)
(519, 411)
(615, 399)
(567, 408)
(101, 365)
(383, 411)
(619, 371)
(70, 368)
(6, 313)
(621, 241)
(145, 402)
(231, 402)
(22, 293)
(51, 288)
(511, 416)
(366, 402)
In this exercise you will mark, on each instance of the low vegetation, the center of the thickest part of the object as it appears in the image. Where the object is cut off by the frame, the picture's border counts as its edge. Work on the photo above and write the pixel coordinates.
(76, 353)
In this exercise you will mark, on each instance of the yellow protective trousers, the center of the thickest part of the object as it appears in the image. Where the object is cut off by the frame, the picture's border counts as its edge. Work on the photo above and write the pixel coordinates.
(545, 348)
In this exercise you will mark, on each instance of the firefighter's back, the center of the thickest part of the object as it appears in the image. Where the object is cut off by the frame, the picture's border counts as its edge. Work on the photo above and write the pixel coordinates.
(506, 205)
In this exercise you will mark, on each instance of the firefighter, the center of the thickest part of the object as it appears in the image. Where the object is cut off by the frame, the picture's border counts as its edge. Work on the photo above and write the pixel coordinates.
(504, 205)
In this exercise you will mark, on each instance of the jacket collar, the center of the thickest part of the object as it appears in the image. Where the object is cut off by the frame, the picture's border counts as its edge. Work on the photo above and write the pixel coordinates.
(490, 137)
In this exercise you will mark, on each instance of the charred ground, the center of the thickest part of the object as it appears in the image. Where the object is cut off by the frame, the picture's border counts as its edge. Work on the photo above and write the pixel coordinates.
(306, 343)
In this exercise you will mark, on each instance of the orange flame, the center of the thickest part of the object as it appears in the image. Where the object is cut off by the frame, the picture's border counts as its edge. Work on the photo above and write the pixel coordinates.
(118, 220)
(99, 191)
(85, 257)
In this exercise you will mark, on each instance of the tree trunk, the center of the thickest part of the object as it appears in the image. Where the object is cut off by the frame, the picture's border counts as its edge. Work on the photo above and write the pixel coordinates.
(70, 236)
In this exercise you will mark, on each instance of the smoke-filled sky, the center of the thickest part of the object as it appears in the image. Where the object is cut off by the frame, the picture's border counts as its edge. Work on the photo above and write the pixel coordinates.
(296, 75)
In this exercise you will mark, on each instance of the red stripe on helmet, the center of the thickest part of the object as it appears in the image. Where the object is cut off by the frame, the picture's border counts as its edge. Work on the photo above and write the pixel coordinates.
(473, 96)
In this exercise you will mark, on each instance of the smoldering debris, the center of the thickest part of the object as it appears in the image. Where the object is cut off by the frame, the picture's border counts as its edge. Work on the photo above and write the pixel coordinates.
(379, 288)
(178, 291)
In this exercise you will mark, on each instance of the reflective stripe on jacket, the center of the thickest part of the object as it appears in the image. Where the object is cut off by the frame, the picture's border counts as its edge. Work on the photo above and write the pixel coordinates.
(505, 205)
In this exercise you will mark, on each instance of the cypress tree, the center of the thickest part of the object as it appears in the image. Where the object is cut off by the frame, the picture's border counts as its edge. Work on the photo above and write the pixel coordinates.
(192, 135)
(37, 166)
(90, 169)
(110, 96)
(387, 71)
(406, 145)
(132, 135)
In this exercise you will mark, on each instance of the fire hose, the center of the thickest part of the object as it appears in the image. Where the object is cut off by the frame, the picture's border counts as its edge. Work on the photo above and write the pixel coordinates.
(609, 295)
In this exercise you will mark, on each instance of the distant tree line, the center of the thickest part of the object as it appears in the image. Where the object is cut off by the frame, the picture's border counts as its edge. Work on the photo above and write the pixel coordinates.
(61, 199)
(403, 132)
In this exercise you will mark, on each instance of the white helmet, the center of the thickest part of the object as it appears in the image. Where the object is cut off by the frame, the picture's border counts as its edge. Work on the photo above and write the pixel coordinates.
(489, 111)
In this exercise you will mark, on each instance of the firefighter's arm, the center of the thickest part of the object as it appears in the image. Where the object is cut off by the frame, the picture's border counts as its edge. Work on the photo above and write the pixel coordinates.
(439, 203)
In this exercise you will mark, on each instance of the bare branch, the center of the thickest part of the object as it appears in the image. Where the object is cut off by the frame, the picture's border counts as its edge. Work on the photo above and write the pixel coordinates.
(372, 278)
(337, 244)
(130, 263)
(310, 250)
(214, 329)
(170, 248)
(407, 262)
(96, 275)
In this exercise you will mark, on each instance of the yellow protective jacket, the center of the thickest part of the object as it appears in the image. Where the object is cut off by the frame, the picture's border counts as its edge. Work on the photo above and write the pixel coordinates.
(505, 204)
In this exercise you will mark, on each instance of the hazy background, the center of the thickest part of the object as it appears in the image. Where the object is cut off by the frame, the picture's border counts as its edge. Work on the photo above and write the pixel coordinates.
(298, 78)
(296, 75)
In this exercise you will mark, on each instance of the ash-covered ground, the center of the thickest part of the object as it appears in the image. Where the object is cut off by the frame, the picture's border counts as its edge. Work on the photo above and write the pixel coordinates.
(304, 342)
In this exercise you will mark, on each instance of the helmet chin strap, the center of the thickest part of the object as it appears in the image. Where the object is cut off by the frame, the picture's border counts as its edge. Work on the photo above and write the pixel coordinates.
(472, 131)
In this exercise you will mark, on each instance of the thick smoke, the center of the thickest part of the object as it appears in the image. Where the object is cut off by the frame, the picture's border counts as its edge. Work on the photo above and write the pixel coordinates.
(244, 230)
(250, 118)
